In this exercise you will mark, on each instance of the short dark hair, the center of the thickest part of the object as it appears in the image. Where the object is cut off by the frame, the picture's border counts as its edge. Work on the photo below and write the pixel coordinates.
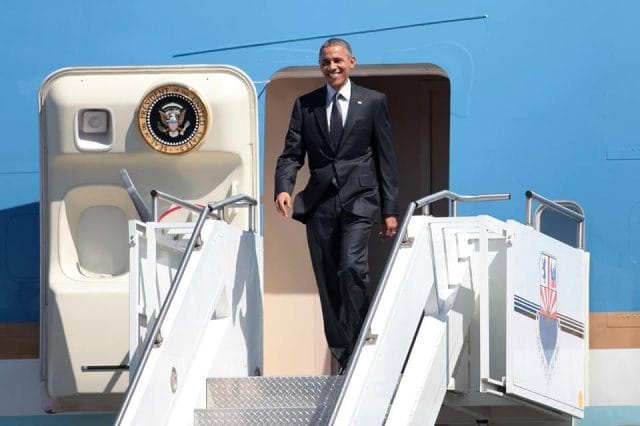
(335, 42)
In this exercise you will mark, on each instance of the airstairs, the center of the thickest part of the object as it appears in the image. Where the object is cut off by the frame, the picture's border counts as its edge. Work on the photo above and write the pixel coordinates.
(443, 341)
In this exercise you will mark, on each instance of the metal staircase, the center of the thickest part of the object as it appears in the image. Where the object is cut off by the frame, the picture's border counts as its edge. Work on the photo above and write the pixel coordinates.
(293, 400)
(442, 319)
(410, 313)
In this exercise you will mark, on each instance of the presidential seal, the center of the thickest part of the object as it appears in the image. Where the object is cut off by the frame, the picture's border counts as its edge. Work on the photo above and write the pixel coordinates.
(173, 119)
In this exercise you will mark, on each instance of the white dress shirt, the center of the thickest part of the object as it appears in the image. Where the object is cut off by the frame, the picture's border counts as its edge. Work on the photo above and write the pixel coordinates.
(343, 101)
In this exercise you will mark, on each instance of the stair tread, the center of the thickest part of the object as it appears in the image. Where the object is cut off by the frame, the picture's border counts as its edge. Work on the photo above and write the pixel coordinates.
(263, 416)
(277, 392)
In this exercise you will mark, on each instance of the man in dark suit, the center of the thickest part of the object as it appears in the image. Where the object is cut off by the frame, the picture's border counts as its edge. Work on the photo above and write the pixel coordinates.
(344, 131)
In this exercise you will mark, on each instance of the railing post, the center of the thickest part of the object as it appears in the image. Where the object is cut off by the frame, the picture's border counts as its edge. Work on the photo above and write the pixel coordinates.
(581, 241)
(528, 219)
(578, 217)
(154, 205)
(252, 218)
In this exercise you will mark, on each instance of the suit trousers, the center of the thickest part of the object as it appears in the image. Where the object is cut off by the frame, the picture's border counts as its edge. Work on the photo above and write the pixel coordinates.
(338, 245)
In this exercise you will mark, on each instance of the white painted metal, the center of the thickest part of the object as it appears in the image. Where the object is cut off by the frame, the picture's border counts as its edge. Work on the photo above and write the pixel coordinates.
(452, 264)
(424, 382)
(457, 245)
(155, 253)
(557, 379)
(467, 249)
(438, 265)
(456, 276)
(212, 329)
(483, 385)
(490, 343)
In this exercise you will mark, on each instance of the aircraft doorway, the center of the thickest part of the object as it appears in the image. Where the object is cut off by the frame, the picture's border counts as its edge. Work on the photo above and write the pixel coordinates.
(419, 107)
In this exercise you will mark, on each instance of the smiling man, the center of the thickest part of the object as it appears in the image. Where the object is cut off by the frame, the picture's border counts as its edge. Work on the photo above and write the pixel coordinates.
(343, 129)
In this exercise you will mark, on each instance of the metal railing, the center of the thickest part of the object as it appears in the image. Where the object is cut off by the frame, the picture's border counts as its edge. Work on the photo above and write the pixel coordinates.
(157, 195)
(238, 200)
(453, 198)
(154, 338)
(578, 217)
(365, 333)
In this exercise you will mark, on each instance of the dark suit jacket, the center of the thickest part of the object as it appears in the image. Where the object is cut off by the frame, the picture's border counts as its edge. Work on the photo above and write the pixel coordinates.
(364, 164)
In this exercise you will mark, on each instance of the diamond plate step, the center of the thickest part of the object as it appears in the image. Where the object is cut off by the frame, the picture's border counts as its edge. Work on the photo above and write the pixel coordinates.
(299, 392)
(263, 417)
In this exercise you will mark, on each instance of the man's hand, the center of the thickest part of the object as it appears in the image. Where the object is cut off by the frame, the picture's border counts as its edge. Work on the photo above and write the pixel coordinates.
(283, 204)
(389, 227)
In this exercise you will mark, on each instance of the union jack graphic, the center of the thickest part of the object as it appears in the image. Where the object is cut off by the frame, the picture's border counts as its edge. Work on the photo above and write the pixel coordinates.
(548, 286)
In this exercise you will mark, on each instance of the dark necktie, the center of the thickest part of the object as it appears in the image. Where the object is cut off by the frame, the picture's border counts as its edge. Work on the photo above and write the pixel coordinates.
(335, 124)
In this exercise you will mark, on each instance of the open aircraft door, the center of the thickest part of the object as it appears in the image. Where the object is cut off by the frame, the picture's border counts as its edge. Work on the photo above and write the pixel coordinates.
(187, 131)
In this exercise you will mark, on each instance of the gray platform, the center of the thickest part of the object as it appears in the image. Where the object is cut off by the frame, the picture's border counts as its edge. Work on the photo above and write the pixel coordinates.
(290, 400)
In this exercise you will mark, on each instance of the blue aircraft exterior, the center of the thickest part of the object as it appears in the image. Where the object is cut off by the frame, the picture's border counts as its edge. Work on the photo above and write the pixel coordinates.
(544, 96)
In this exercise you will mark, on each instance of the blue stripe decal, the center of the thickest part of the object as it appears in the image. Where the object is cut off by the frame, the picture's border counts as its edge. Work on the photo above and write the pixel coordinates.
(528, 308)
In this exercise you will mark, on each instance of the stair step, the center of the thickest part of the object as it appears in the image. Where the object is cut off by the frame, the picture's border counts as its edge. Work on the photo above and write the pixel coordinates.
(299, 392)
(264, 417)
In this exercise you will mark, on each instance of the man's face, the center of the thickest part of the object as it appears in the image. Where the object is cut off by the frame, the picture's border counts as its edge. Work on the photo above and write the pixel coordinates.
(336, 63)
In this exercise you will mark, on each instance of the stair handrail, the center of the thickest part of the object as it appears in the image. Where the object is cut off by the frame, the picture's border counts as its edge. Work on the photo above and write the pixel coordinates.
(154, 338)
(578, 217)
(237, 200)
(425, 202)
(158, 195)
(401, 238)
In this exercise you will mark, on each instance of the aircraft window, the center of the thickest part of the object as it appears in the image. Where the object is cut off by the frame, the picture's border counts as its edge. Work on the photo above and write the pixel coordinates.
(557, 225)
